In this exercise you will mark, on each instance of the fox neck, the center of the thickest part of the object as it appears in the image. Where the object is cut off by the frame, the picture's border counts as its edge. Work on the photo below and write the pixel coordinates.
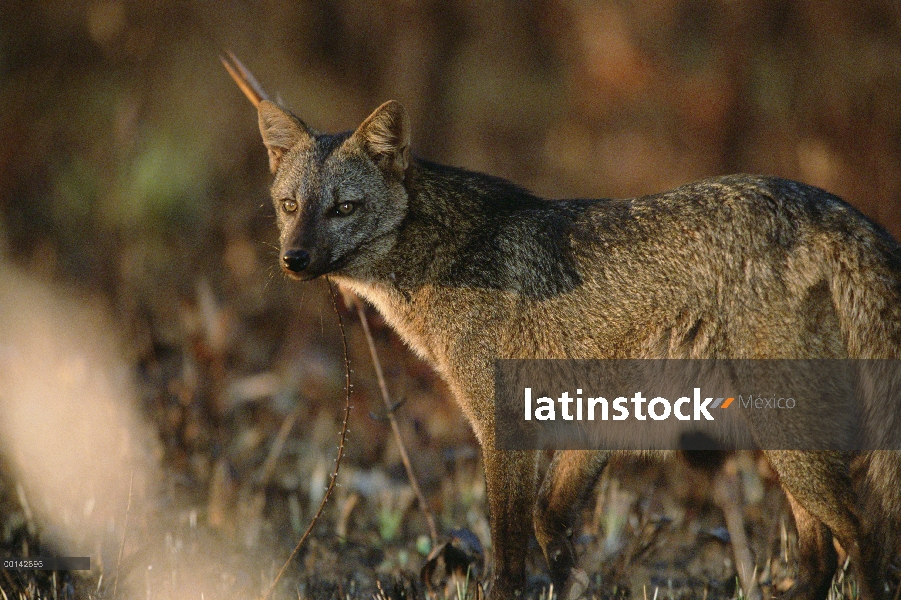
(467, 234)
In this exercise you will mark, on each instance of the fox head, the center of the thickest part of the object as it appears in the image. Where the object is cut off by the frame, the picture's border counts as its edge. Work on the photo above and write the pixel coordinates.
(339, 198)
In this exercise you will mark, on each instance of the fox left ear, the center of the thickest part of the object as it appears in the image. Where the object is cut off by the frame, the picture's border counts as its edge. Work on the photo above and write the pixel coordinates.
(385, 135)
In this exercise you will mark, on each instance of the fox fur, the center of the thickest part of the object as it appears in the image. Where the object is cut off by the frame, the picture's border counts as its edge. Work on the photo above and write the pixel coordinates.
(469, 268)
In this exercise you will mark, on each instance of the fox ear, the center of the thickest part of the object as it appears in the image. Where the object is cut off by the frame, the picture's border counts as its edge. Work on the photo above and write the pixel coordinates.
(385, 135)
(281, 131)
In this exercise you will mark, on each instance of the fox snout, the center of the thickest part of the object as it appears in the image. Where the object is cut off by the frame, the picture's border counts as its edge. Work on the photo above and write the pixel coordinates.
(295, 261)
(307, 261)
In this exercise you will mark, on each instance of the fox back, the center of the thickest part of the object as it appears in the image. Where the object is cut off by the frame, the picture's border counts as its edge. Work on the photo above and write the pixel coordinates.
(469, 268)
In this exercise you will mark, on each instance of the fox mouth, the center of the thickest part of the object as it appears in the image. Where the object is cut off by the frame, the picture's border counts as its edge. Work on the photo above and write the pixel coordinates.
(314, 271)
(302, 276)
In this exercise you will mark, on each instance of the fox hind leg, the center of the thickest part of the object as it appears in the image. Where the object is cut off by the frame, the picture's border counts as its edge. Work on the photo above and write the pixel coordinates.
(816, 555)
(819, 489)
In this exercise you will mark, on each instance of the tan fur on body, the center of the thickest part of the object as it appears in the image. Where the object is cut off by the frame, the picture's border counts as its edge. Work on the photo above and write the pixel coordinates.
(468, 268)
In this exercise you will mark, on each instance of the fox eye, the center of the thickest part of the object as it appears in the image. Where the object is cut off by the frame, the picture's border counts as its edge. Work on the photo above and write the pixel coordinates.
(346, 208)
(289, 205)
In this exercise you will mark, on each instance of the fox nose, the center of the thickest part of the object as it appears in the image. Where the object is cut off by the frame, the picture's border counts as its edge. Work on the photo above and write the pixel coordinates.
(296, 260)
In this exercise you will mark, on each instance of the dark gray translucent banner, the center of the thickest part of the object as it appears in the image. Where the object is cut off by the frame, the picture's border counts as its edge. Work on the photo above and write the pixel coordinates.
(834, 404)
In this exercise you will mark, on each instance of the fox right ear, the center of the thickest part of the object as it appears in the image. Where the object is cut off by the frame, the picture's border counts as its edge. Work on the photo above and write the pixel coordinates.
(281, 131)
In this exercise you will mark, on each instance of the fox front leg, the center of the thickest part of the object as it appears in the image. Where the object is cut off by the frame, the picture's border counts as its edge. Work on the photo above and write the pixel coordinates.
(569, 482)
(510, 478)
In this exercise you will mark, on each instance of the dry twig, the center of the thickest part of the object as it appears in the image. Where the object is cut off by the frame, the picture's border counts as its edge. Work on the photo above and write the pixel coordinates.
(386, 397)
(334, 476)
(727, 495)
(131, 482)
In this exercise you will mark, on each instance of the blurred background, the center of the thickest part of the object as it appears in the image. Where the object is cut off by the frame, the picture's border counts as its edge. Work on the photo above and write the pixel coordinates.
(132, 175)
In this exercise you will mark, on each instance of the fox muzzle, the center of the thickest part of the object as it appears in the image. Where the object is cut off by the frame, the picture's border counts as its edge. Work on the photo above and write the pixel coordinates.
(296, 260)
